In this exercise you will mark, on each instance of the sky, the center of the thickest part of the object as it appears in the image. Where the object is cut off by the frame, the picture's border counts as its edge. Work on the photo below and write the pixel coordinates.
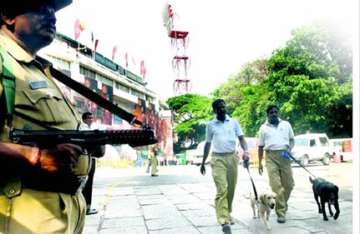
(223, 34)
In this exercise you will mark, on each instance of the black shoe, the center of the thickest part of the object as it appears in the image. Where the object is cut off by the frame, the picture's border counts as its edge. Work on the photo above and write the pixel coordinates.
(155, 175)
(281, 219)
(91, 211)
(226, 228)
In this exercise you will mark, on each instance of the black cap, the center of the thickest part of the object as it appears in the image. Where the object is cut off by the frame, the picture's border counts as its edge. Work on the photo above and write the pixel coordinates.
(13, 8)
(59, 4)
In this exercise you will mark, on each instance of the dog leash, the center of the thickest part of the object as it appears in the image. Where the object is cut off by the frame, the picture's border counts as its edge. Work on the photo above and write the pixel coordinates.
(252, 183)
(289, 154)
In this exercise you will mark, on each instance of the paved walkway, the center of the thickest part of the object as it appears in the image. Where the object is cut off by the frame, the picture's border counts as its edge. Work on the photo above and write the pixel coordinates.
(188, 208)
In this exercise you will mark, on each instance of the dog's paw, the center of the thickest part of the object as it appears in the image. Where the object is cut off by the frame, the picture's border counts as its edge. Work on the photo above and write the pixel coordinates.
(336, 216)
(326, 219)
(320, 211)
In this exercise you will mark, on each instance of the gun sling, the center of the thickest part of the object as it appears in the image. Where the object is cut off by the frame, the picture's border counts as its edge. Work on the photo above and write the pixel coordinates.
(92, 96)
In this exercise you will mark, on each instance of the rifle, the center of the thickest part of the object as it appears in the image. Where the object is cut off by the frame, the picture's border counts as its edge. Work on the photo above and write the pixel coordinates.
(139, 137)
(85, 139)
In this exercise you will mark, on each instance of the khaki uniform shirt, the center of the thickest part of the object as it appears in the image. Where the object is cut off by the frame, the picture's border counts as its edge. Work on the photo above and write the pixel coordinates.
(39, 104)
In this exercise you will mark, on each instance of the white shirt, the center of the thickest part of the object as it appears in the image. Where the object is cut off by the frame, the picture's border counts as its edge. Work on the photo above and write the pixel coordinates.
(276, 138)
(93, 126)
(223, 135)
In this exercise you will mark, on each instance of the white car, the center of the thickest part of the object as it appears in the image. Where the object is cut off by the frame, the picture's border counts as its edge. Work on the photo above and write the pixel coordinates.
(312, 147)
(195, 156)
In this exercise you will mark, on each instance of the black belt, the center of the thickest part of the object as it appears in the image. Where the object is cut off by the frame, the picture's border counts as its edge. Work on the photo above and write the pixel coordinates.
(69, 184)
(222, 154)
(275, 150)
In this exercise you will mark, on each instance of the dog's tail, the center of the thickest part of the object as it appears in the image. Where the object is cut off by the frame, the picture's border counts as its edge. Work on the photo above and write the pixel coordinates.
(311, 179)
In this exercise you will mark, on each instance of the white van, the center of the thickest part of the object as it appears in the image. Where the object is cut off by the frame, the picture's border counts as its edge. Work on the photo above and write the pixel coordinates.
(312, 147)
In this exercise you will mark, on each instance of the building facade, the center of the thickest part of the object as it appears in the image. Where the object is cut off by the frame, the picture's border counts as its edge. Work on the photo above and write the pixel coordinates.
(115, 83)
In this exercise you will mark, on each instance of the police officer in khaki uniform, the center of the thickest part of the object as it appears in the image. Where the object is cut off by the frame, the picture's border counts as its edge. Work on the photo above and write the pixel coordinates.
(222, 134)
(40, 188)
(277, 139)
(153, 160)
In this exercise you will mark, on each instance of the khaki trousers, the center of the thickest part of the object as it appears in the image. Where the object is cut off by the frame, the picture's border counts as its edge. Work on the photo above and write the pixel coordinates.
(154, 164)
(42, 212)
(224, 172)
(281, 179)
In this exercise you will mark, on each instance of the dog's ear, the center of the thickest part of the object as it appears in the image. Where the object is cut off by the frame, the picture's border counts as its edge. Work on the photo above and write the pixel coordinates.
(263, 199)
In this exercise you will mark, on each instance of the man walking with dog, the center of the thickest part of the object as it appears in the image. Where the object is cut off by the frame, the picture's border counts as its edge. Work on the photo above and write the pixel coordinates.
(222, 134)
(276, 137)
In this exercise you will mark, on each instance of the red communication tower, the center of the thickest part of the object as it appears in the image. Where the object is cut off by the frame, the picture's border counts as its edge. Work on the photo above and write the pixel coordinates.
(180, 61)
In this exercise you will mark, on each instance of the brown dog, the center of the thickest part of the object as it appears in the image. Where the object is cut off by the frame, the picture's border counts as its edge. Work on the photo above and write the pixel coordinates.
(328, 193)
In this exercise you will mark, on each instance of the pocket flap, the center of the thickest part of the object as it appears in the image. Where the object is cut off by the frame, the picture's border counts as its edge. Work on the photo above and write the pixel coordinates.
(35, 96)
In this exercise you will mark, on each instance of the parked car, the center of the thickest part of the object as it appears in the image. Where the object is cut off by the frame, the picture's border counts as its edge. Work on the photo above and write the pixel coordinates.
(195, 156)
(343, 148)
(312, 147)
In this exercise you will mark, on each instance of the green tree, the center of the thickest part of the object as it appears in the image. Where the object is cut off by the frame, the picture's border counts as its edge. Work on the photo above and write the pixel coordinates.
(307, 79)
(191, 113)
(242, 91)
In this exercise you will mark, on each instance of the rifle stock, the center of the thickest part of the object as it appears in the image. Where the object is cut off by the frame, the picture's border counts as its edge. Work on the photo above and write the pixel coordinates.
(88, 138)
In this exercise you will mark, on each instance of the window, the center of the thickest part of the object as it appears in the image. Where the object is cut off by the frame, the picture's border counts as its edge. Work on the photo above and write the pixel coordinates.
(301, 142)
(87, 72)
(104, 79)
(324, 141)
(122, 87)
(60, 63)
(312, 142)
(137, 93)
(149, 99)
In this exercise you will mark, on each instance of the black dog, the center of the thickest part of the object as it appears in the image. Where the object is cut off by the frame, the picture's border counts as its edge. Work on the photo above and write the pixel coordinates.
(328, 192)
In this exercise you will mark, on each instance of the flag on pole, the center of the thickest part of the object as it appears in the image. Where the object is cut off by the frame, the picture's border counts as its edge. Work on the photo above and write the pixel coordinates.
(96, 44)
(170, 11)
(126, 60)
(142, 69)
(78, 28)
(114, 50)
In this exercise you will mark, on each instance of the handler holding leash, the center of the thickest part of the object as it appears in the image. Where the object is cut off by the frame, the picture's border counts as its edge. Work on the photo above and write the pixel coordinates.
(223, 133)
(277, 139)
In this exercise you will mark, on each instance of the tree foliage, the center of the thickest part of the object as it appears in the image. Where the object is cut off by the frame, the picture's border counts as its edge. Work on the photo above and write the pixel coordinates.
(309, 79)
(191, 113)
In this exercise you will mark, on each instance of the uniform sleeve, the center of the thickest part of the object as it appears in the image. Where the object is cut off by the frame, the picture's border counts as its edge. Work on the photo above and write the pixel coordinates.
(208, 133)
(291, 132)
(238, 130)
(261, 137)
